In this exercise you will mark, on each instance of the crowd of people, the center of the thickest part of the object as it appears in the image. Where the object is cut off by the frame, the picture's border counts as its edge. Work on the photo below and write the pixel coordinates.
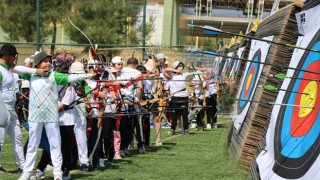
(86, 113)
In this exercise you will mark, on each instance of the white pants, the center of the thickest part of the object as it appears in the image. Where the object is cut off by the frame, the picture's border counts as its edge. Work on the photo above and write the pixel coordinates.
(80, 131)
(53, 133)
(14, 132)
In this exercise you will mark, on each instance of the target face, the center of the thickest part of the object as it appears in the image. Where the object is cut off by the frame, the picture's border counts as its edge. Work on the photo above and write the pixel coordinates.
(297, 141)
(250, 81)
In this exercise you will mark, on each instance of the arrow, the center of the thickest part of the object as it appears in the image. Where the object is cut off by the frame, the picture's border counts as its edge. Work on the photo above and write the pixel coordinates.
(273, 88)
(272, 103)
(214, 31)
(283, 76)
(247, 60)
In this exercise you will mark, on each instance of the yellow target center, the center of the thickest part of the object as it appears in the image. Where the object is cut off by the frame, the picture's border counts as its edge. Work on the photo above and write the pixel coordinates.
(308, 98)
(248, 81)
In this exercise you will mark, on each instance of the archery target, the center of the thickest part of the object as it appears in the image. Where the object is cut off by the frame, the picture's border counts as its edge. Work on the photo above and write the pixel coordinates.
(257, 55)
(293, 142)
(226, 65)
(236, 63)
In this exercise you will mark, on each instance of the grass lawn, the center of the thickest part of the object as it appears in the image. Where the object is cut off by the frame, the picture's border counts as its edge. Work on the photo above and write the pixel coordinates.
(201, 155)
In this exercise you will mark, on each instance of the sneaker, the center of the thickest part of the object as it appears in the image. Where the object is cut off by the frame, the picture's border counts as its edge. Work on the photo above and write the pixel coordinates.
(147, 148)
(2, 170)
(186, 132)
(25, 176)
(57, 177)
(214, 126)
(171, 132)
(166, 125)
(180, 131)
(101, 163)
(141, 150)
(66, 175)
(126, 151)
(200, 128)
(208, 126)
(20, 170)
(151, 125)
(49, 168)
(84, 168)
(117, 156)
(193, 125)
(122, 154)
(159, 143)
(38, 174)
(96, 167)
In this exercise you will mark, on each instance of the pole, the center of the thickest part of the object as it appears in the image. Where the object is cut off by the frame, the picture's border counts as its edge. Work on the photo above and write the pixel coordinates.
(144, 28)
(38, 24)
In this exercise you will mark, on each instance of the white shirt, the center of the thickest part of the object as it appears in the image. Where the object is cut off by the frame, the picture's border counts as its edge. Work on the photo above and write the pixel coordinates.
(176, 86)
(67, 117)
(7, 87)
(197, 88)
(128, 73)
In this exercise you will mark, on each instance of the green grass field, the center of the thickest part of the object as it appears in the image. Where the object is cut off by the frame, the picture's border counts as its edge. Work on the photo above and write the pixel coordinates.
(201, 155)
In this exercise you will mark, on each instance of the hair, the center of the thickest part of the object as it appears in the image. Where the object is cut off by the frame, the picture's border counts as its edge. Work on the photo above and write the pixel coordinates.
(142, 69)
(132, 61)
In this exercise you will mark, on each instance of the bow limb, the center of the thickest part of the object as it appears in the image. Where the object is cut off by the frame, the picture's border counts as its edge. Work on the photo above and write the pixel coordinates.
(81, 32)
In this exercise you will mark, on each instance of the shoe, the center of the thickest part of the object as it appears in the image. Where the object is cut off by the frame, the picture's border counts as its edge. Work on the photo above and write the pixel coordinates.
(186, 132)
(208, 126)
(141, 150)
(96, 167)
(159, 143)
(101, 163)
(200, 128)
(180, 131)
(126, 151)
(66, 175)
(166, 125)
(214, 126)
(57, 177)
(49, 168)
(2, 170)
(147, 148)
(117, 156)
(20, 170)
(193, 125)
(84, 168)
(122, 154)
(25, 176)
(38, 174)
(151, 125)
(171, 132)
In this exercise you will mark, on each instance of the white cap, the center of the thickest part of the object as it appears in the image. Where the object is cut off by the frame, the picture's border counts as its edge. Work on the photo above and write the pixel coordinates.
(28, 60)
(160, 56)
(116, 59)
(77, 68)
(175, 64)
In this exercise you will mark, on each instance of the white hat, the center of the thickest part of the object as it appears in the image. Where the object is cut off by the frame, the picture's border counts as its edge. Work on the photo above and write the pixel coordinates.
(28, 60)
(175, 64)
(149, 65)
(116, 59)
(77, 68)
(160, 56)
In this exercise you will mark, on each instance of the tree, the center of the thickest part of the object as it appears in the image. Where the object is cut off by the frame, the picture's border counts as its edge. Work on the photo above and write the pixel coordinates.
(19, 19)
(103, 21)
(136, 34)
